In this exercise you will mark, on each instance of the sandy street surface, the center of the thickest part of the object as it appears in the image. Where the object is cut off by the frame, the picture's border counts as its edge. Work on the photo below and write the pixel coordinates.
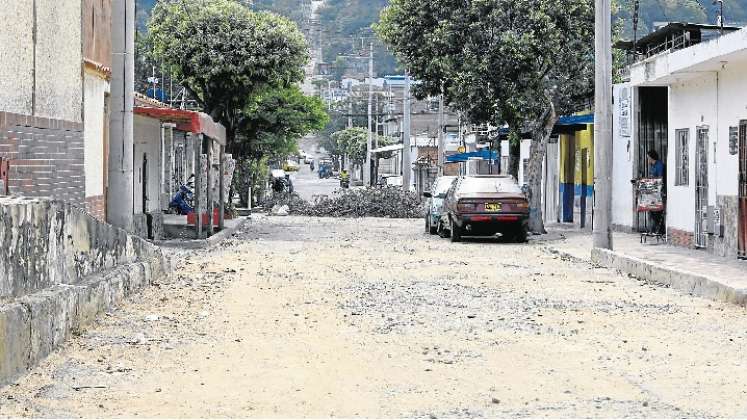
(301, 317)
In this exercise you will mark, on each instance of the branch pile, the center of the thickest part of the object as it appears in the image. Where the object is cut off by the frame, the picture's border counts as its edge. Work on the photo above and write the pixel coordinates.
(390, 202)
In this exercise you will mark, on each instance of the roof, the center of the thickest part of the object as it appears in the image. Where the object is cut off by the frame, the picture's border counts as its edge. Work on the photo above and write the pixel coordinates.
(188, 121)
(660, 35)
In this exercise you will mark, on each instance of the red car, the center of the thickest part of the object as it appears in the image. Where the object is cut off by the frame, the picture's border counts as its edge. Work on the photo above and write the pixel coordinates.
(485, 205)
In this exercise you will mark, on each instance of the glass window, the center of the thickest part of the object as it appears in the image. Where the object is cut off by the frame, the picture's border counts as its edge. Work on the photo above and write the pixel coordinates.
(489, 184)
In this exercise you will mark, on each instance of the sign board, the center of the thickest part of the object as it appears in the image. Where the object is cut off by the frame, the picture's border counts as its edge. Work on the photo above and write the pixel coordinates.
(624, 104)
(733, 140)
(461, 149)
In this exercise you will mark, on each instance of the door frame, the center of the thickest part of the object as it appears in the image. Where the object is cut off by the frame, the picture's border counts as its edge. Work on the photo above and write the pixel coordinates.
(700, 234)
(742, 193)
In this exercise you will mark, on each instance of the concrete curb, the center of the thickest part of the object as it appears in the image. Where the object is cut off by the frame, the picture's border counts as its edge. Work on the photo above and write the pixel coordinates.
(33, 326)
(688, 282)
(204, 243)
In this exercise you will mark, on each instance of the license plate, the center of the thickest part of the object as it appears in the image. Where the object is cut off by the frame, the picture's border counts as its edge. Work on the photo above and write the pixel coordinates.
(492, 206)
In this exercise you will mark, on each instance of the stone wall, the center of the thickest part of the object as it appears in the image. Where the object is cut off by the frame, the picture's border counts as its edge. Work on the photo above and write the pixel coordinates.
(60, 268)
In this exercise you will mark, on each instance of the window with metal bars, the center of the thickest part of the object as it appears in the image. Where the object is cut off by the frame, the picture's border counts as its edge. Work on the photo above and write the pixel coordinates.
(682, 152)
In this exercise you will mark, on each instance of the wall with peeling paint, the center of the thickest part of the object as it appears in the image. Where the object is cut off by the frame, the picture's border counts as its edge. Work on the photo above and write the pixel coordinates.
(60, 268)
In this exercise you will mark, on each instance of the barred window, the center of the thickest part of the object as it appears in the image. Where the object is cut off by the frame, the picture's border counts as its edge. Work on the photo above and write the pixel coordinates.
(682, 150)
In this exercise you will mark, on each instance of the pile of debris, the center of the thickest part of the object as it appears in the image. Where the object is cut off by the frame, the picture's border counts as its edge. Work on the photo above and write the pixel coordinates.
(389, 202)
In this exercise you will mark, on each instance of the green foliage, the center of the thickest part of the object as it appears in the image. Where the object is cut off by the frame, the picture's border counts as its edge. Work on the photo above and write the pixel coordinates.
(224, 53)
(274, 120)
(294, 10)
(353, 142)
(250, 173)
(498, 61)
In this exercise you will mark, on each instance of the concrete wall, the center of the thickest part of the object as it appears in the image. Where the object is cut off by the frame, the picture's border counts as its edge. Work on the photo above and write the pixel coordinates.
(95, 136)
(623, 146)
(692, 104)
(17, 56)
(147, 142)
(60, 268)
(41, 81)
(97, 37)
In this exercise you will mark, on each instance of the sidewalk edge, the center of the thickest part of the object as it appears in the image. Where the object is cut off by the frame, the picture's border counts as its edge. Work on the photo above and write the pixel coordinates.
(691, 283)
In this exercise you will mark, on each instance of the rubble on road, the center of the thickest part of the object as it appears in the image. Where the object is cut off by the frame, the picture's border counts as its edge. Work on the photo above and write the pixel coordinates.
(389, 202)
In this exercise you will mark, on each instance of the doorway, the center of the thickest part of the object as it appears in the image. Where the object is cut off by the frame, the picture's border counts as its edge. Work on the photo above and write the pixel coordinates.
(701, 188)
(742, 246)
(653, 134)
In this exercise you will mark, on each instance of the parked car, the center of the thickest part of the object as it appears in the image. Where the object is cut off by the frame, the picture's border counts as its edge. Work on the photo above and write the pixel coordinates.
(291, 166)
(485, 205)
(435, 203)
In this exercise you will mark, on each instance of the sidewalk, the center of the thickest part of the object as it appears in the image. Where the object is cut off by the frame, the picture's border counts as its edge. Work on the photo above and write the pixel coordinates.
(695, 272)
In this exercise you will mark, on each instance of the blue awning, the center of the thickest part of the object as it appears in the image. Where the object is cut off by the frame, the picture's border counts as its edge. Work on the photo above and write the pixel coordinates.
(576, 119)
(482, 154)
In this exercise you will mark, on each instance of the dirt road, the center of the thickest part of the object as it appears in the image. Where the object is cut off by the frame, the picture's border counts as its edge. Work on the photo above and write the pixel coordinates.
(314, 318)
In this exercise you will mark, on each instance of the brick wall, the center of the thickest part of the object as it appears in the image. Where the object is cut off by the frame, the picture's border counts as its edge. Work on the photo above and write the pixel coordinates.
(96, 207)
(681, 238)
(46, 157)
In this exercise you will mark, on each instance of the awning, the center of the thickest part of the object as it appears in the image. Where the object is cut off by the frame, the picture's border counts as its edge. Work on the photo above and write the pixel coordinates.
(188, 121)
(576, 119)
(463, 157)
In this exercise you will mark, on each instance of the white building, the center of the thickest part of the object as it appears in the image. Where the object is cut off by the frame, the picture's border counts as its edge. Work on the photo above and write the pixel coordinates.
(690, 105)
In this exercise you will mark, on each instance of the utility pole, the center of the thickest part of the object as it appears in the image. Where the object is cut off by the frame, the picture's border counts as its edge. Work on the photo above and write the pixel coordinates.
(603, 126)
(406, 158)
(367, 170)
(119, 196)
(441, 135)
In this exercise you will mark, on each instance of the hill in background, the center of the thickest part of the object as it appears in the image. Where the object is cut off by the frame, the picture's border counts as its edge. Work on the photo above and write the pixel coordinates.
(347, 23)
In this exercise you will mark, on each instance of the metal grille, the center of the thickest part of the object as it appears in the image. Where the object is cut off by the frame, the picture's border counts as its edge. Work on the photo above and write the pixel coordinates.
(701, 188)
(742, 249)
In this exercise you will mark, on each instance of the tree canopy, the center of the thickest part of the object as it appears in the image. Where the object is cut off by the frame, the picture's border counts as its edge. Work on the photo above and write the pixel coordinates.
(276, 118)
(352, 142)
(520, 62)
(224, 53)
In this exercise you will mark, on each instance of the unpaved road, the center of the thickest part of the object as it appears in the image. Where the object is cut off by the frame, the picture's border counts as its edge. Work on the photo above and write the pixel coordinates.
(314, 318)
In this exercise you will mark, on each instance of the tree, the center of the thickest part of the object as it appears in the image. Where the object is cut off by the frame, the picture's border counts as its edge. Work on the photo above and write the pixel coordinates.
(274, 119)
(521, 62)
(223, 53)
(271, 124)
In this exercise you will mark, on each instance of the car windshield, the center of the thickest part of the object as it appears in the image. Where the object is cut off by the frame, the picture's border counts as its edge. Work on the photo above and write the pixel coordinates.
(442, 185)
(489, 185)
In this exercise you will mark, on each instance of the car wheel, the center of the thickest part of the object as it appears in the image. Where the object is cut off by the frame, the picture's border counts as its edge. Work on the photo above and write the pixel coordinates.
(442, 231)
(432, 229)
(521, 235)
(456, 232)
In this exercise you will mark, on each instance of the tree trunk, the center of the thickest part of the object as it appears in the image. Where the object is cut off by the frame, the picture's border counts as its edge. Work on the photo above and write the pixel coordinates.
(514, 153)
(540, 136)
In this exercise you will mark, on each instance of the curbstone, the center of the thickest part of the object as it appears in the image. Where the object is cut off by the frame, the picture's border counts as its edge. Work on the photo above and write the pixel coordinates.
(688, 282)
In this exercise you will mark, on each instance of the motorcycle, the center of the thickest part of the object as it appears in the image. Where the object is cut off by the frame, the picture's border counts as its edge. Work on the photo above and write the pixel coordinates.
(183, 201)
